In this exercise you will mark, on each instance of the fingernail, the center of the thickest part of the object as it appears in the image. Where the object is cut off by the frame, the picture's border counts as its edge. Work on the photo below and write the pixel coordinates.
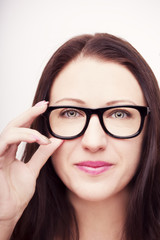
(41, 139)
(41, 103)
(46, 140)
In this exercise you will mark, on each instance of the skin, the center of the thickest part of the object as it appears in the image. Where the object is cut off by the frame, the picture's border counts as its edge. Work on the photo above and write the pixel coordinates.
(89, 82)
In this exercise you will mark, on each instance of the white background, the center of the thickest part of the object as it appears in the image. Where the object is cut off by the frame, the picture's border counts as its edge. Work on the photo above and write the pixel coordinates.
(31, 30)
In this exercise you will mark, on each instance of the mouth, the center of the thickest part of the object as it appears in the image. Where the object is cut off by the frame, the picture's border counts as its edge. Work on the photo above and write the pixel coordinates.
(94, 167)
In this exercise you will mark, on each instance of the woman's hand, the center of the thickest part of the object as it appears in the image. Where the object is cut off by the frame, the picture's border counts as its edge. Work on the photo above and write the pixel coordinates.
(17, 179)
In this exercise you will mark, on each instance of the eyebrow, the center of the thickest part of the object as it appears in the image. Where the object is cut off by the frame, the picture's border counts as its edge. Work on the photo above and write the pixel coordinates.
(120, 101)
(71, 99)
(110, 103)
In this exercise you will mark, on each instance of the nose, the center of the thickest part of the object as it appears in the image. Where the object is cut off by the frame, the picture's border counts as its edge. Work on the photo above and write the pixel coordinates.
(94, 138)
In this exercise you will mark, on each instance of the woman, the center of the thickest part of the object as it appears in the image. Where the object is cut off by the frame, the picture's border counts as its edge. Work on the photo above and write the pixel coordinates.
(95, 175)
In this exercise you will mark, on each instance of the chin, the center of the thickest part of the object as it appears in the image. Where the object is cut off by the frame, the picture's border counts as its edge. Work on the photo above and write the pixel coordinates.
(90, 196)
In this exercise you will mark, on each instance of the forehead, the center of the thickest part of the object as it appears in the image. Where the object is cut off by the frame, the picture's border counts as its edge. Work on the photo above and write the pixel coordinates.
(96, 82)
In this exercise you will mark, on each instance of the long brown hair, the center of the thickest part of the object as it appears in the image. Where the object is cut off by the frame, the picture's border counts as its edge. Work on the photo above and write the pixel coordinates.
(49, 214)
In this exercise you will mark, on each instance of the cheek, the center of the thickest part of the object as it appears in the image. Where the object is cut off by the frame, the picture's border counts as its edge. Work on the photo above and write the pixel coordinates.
(58, 161)
(130, 152)
(61, 159)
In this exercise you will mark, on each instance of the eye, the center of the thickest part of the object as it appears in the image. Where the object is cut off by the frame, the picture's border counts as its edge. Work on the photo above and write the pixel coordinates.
(71, 113)
(119, 114)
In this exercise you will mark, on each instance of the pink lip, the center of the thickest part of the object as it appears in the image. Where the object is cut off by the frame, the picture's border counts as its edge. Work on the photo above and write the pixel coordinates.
(94, 167)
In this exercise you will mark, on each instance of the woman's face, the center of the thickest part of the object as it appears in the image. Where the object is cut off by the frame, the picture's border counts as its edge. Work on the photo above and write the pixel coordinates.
(91, 83)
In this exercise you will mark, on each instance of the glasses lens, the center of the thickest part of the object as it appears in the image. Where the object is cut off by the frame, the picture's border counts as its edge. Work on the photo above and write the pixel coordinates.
(123, 121)
(67, 122)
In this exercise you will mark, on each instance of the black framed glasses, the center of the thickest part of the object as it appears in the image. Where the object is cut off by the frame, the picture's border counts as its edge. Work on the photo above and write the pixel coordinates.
(69, 122)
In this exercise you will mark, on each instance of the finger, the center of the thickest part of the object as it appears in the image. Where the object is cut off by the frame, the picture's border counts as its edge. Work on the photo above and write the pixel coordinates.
(26, 118)
(41, 156)
(9, 156)
(17, 135)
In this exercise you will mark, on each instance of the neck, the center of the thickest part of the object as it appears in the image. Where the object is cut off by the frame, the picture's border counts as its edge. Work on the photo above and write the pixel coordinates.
(100, 220)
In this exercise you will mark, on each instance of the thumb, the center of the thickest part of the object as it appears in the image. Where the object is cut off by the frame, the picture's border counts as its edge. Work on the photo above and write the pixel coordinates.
(42, 154)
